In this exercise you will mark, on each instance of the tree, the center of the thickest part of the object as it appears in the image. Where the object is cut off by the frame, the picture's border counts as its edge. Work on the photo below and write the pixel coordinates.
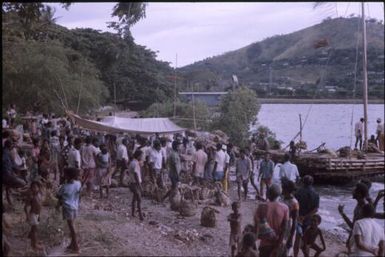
(128, 13)
(184, 113)
(238, 110)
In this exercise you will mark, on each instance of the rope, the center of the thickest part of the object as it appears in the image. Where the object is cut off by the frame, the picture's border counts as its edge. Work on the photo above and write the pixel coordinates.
(354, 87)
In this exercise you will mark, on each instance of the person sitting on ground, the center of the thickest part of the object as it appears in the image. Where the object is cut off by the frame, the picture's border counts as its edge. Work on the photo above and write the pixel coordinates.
(235, 220)
(308, 200)
(247, 247)
(103, 167)
(310, 236)
(373, 140)
(288, 170)
(242, 170)
(135, 183)
(34, 200)
(277, 217)
(69, 197)
(368, 235)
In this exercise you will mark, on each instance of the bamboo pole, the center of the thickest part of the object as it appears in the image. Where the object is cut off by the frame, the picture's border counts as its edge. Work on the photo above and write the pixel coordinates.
(365, 89)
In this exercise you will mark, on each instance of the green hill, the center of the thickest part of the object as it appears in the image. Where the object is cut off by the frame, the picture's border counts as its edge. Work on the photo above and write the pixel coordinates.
(290, 65)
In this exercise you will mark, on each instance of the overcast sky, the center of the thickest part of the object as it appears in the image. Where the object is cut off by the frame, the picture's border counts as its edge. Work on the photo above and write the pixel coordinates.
(195, 31)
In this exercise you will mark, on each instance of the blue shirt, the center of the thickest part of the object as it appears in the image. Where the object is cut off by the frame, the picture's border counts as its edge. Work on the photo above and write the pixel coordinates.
(266, 169)
(8, 163)
(69, 194)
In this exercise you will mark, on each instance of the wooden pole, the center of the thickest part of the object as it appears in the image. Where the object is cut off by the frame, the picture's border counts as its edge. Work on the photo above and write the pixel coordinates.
(176, 62)
(300, 127)
(193, 102)
(365, 88)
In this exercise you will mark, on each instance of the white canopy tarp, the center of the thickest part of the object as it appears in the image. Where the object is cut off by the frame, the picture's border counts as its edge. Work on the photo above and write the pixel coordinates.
(113, 124)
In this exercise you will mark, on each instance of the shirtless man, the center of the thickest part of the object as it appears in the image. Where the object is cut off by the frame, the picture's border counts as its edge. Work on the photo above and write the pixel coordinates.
(34, 200)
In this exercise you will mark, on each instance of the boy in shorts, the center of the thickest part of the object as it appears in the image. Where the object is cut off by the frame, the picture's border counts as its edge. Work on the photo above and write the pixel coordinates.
(69, 197)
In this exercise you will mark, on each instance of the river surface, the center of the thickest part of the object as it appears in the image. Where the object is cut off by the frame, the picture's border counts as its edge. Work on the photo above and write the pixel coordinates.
(329, 123)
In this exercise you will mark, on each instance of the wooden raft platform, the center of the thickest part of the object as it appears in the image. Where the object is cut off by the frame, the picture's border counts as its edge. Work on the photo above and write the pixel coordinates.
(324, 167)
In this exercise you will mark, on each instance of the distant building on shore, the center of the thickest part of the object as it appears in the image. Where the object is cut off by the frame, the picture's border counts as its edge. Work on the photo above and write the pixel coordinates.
(209, 98)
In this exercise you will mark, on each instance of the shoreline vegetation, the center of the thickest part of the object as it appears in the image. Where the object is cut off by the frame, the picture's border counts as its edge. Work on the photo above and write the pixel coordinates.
(316, 101)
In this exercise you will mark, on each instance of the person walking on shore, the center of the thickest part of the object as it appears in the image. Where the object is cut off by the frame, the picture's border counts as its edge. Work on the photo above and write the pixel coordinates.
(277, 217)
(219, 166)
(199, 162)
(266, 171)
(174, 168)
(308, 200)
(358, 129)
(242, 169)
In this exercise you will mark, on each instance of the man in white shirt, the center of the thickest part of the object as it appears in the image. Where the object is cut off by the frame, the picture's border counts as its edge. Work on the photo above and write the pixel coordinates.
(156, 164)
(121, 160)
(88, 154)
(289, 170)
(220, 163)
(380, 134)
(358, 131)
(199, 159)
(368, 236)
(74, 159)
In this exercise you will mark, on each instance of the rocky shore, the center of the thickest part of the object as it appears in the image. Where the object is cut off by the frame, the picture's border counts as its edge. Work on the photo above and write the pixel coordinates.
(106, 228)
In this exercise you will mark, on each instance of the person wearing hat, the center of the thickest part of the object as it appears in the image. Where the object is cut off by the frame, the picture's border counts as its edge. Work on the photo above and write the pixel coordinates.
(380, 134)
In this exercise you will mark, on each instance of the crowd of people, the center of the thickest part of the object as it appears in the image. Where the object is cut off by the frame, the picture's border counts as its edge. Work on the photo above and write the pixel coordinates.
(285, 221)
(375, 141)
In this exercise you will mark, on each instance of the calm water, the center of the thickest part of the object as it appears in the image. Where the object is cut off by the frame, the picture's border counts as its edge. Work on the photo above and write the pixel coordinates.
(329, 123)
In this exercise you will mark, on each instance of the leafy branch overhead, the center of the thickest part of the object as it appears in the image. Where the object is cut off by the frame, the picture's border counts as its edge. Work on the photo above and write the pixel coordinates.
(128, 13)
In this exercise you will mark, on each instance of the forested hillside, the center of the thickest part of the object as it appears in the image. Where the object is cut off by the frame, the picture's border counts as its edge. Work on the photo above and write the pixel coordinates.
(49, 67)
(319, 60)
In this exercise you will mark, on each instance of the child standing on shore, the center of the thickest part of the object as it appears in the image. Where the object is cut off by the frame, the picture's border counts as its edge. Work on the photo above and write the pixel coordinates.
(34, 200)
(235, 226)
(69, 196)
(248, 243)
(311, 235)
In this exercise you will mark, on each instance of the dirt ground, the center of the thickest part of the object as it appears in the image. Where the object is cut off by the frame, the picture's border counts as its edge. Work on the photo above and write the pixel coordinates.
(105, 227)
